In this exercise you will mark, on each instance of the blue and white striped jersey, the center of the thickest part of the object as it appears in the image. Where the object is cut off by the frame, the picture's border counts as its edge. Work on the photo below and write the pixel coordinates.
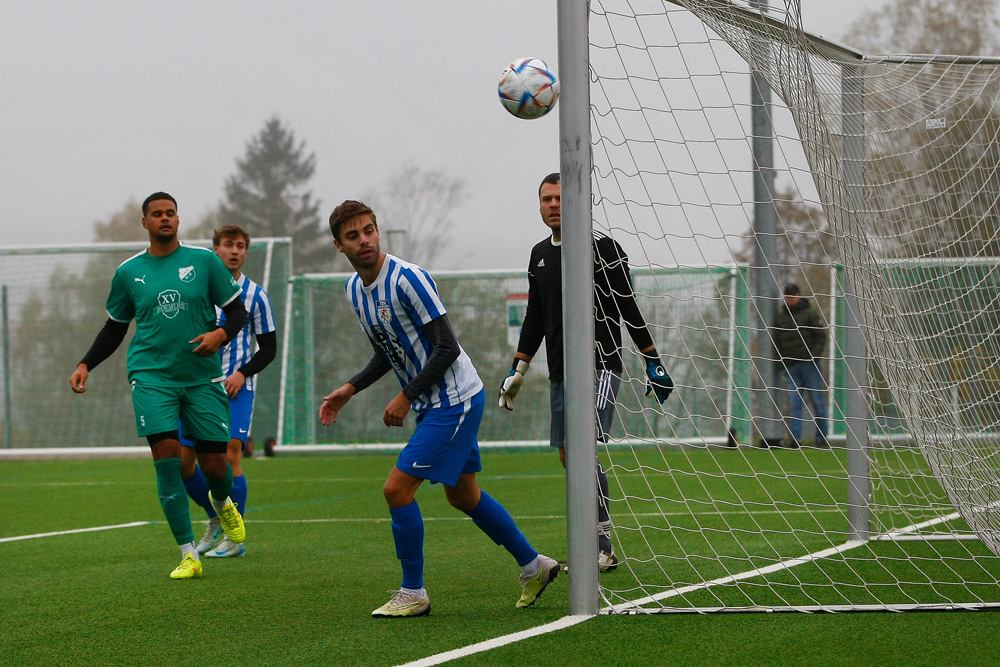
(260, 320)
(392, 312)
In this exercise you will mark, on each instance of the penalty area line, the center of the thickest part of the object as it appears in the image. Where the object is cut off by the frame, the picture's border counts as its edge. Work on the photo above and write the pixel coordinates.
(75, 530)
(490, 644)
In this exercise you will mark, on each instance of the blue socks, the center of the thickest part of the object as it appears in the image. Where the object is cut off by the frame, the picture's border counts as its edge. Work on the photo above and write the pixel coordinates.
(408, 534)
(197, 490)
(489, 515)
(494, 520)
(239, 493)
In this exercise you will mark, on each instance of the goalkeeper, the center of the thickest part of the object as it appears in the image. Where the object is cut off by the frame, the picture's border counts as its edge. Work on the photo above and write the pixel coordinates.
(614, 305)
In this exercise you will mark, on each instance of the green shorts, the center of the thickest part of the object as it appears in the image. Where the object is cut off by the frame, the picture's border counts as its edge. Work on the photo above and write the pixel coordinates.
(204, 409)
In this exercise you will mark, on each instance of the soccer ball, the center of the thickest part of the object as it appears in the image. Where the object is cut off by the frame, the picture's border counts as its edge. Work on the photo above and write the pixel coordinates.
(528, 88)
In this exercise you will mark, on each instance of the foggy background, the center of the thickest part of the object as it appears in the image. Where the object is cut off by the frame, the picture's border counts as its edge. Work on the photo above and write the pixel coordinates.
(107, 101)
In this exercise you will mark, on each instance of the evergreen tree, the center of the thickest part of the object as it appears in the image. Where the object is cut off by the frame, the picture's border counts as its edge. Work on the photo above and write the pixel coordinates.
(267, 196)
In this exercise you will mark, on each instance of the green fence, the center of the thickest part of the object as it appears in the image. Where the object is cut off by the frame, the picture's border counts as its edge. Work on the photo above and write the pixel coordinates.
(699, 319)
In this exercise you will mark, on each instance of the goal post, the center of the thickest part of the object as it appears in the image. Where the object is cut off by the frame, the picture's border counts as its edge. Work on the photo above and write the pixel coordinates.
(885, 166)
(578, 296)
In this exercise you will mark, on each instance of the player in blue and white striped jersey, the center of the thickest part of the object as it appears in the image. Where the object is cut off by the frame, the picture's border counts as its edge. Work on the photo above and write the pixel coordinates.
(240, 365)
(398, 307)
(396, 326)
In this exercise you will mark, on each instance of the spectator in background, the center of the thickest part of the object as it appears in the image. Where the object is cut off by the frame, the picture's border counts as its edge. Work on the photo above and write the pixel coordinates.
(799, 336)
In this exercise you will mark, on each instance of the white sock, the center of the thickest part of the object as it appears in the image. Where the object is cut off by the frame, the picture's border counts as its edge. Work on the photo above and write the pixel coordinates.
(419, 592)
(219, 504)
(532, 568)
(189, 548)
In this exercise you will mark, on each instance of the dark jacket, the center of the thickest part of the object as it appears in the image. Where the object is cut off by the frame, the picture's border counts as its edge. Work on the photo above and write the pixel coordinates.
(799, 333)
(614, 305)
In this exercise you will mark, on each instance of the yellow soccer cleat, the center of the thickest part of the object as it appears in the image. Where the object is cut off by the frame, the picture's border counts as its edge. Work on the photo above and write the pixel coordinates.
(532, 587)
(404, 604)
(190, 568)
(232, 522)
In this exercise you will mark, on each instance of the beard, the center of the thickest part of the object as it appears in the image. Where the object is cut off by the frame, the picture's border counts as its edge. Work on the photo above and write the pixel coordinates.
(165, 238)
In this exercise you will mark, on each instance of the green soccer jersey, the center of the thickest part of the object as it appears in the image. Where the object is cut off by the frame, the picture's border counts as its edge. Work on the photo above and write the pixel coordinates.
(172, 300)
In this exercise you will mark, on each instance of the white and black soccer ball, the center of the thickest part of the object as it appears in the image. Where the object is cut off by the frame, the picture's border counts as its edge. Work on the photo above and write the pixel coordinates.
(528, 88)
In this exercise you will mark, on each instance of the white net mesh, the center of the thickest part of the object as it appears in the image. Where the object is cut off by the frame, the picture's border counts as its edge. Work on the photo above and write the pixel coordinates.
(886, 168)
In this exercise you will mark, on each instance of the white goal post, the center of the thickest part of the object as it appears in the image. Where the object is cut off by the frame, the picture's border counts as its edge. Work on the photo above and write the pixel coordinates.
(888, 167)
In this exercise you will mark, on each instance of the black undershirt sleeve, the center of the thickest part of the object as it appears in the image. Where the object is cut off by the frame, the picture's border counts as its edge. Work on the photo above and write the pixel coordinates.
(267, 350)
(376, 367)
(533, 324)
(444, 351)
(236, 317)
(107, 341)
(620, 282)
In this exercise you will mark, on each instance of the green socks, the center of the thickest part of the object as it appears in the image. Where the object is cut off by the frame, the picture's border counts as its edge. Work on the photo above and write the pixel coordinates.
(220, 488)
(174, 500)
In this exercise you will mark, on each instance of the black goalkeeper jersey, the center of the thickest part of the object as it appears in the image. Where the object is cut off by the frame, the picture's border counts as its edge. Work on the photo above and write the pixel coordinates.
(614, 305)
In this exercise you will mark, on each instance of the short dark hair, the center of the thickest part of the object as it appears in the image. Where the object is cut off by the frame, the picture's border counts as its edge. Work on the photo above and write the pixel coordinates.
(155, 197)
(791, 289)
(552, 179)
(347, 210)
(230, 231)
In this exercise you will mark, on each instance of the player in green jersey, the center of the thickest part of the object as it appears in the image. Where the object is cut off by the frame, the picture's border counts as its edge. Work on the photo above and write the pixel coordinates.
(171, 291)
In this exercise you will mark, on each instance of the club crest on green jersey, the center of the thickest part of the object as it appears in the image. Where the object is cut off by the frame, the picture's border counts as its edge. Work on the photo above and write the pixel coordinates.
(169, 303)
(186, 273)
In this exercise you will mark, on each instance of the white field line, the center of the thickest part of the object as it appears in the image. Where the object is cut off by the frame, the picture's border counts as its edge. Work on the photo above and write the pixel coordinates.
(549, 517)
(489, 644)
(75, 530)
(783, 565)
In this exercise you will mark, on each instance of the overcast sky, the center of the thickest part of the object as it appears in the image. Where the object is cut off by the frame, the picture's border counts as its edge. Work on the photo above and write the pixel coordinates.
(106, 101)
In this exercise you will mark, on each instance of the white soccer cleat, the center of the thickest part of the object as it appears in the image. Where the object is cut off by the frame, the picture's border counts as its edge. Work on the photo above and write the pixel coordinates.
(607, 561)
(213, 535)
(227, 549)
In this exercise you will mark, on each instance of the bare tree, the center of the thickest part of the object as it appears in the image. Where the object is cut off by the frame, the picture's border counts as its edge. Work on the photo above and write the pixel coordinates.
(124, 225)
(421, 204)
(806, 247)
(953, 27)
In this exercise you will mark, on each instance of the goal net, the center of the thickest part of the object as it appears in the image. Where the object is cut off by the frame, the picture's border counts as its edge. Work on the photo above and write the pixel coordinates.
(53, 305)
(885, 189)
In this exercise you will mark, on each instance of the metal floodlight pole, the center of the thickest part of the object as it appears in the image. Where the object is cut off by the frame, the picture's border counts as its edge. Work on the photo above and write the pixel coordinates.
(856, 382)
(765, 399)
(6, 371)
(578, 305)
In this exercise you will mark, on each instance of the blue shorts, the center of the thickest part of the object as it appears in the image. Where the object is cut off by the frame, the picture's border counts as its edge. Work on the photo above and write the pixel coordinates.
(240, 412)
(606, 385)
(446, 442)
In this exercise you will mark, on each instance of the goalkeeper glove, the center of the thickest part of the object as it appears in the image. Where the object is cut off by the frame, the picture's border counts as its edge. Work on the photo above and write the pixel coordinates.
(658, 381)
(512, 383)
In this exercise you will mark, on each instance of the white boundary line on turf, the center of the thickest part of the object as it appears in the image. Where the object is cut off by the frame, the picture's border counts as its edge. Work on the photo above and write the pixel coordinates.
(783, 565)
(75, 530)
(490, 644)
